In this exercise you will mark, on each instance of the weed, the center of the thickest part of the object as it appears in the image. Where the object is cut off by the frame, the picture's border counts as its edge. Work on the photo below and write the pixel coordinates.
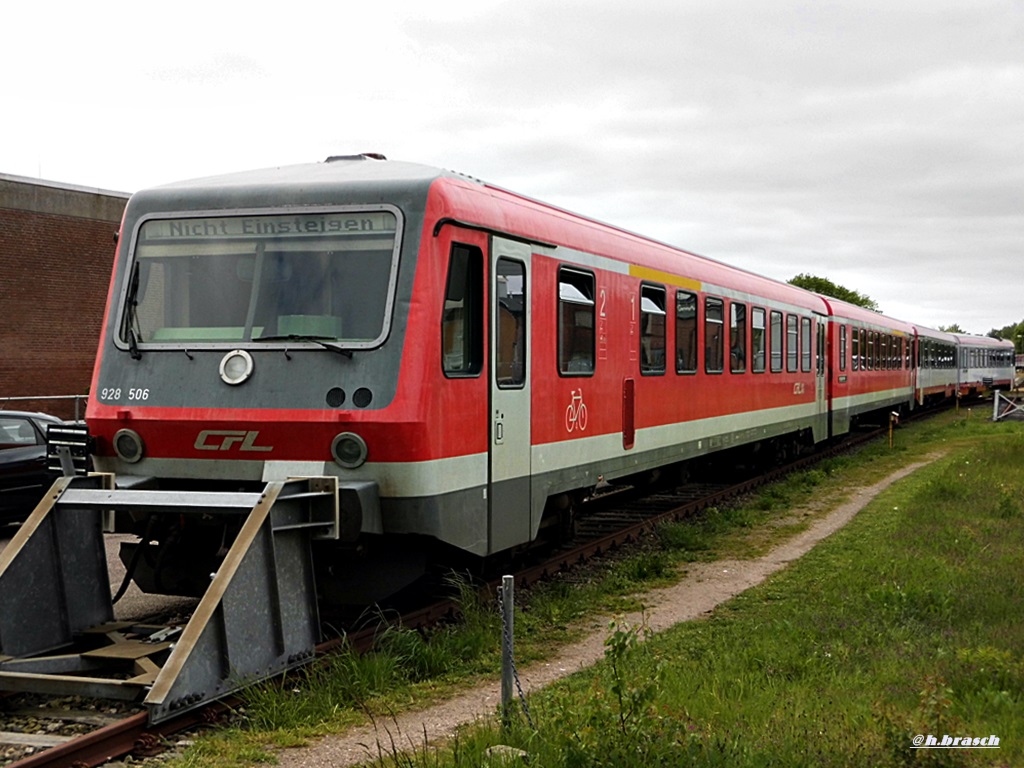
(933, 715)
(683, 537)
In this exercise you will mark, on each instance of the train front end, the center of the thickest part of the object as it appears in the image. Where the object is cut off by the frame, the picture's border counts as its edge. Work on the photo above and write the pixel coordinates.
(255, 332)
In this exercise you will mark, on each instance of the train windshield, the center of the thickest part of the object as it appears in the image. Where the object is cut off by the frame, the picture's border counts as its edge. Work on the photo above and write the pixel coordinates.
(230, 279)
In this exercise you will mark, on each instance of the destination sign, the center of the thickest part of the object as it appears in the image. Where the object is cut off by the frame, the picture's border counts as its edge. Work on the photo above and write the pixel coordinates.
(262, 226)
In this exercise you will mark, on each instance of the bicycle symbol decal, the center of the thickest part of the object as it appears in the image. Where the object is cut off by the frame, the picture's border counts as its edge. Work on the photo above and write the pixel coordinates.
(576, 413)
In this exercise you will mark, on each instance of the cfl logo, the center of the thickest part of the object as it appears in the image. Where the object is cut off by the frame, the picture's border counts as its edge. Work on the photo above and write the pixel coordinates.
(226, 439)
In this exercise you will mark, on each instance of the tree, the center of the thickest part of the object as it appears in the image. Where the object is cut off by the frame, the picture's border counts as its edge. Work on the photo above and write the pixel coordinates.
(826, 287)
(954, 328)
(1013, 332)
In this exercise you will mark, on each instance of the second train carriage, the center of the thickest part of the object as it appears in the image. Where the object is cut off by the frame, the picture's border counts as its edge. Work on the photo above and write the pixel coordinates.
(936, 373)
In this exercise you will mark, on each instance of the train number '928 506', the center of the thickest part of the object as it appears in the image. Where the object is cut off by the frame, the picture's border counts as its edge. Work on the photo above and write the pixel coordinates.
(131, 394)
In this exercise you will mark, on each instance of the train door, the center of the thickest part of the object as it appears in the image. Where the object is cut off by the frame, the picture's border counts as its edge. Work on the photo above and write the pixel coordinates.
(821, 394)
(509, 492)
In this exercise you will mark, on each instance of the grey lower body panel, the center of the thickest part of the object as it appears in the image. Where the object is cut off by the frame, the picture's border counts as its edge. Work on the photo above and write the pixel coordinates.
(463, 518)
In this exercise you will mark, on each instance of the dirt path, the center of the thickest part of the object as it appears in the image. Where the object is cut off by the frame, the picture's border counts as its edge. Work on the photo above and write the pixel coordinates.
(705, 586)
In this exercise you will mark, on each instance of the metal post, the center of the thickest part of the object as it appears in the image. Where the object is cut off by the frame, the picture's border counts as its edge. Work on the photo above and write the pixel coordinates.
(507, 658)
(995, 405)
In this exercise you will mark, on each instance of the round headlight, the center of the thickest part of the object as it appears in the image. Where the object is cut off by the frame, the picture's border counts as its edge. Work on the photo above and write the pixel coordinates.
(349, 450)
(236, 367)
(128, 445)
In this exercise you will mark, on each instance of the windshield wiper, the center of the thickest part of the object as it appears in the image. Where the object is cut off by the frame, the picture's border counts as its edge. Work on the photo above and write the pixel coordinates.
(323, 341)
(131, 313)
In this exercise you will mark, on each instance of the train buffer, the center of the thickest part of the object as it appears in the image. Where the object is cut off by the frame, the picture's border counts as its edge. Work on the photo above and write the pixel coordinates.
(257, 618)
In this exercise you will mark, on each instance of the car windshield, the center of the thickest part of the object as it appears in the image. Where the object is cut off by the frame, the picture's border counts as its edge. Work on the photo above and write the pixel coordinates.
(16, 431)
(231, 279)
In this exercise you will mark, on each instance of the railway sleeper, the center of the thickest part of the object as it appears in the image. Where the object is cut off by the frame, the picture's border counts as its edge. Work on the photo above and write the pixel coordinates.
(257, 618)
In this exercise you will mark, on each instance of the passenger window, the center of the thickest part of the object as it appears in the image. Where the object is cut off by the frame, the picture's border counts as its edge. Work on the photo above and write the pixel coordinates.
(776, 343)
(714, 333)
(686, 332)
(842, 347)
(758, 338)
(652, 329)
(462, 348)
(807, 344)
(575, 322)
(792, 342)
(737, 337)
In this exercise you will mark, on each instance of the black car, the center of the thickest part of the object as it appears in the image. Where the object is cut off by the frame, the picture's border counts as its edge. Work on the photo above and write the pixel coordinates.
(24, 477)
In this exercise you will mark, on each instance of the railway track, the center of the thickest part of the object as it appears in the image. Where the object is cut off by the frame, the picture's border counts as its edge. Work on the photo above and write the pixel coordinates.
(38, 732)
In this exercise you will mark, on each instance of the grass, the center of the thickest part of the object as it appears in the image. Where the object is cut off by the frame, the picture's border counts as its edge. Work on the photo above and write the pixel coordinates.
(902, 623)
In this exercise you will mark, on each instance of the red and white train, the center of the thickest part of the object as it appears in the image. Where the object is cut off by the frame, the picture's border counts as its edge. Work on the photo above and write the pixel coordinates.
(467, 363)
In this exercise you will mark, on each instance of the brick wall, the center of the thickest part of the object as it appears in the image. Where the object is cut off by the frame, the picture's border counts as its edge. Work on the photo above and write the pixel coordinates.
(56, 253)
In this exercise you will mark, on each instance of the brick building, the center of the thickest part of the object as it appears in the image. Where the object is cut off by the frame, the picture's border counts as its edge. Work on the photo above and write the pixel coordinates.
(56, 253)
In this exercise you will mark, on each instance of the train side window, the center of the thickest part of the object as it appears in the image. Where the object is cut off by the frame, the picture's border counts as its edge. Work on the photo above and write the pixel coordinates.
(854, 349)
(792, 343)
(652, 329)
(807, 344)
(686, 332)
(776, 342)
(510, 335)
(842, 347)
(462, 346)
(757, 339)
(575, 322)
(821, 348)
(714, 332)
(737, 337)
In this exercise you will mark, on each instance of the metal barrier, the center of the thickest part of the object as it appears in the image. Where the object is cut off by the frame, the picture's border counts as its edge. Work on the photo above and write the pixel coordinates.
(79, 400)
(1003, 406)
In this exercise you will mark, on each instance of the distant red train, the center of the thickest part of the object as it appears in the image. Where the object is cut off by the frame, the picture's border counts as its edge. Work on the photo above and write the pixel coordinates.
(466, 364)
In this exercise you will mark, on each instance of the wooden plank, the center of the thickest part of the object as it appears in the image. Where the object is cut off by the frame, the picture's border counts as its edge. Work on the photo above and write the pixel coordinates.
(33, 739)
(131, 649)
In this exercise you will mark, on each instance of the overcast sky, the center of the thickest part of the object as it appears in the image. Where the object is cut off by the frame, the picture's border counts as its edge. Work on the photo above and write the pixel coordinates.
(877, 143)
